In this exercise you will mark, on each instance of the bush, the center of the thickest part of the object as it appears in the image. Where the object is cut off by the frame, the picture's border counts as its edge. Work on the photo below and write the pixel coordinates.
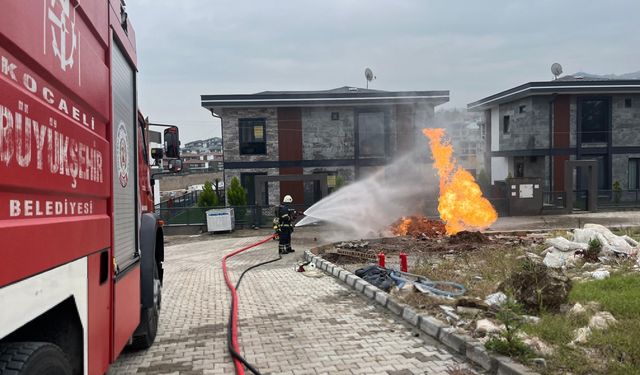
(508, 343)
(237, 196)
(208, 197)
(617, 191)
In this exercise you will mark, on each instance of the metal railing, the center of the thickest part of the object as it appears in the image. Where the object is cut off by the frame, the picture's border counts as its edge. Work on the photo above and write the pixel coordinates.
(619, 198)
(245, 216)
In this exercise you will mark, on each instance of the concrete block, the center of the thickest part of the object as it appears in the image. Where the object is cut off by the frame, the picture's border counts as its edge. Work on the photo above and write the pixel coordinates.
(382, 298)
(395, 307)
(342, 275)
(370, 291)
(431, 326)
(479, 355)
(450, 338)
(336, 271)
(360, 284)
(506, 366)
(410, 316)
(351, 279)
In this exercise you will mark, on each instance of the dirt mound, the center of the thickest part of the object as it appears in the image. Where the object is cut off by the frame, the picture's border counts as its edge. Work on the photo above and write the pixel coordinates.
(468, 237)
(418, 227)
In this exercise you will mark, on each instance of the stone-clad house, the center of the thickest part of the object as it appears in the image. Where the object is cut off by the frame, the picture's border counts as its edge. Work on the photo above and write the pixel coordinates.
(532, 129)
(347, 132)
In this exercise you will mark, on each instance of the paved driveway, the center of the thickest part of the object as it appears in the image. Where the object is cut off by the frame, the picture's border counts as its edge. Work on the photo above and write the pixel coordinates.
(289, 323)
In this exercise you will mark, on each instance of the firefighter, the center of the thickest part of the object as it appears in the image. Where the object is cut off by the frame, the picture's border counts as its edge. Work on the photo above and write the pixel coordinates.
(283, 224)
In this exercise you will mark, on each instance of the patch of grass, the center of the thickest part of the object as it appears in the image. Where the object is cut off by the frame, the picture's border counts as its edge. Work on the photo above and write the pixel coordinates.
(633, 232)
(515, 348)
(508, 342)
(619, 294)
(556, 329)
(619, 346)
(614, 350)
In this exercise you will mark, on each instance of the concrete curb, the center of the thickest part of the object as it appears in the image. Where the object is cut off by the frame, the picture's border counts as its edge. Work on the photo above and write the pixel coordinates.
(436, 329)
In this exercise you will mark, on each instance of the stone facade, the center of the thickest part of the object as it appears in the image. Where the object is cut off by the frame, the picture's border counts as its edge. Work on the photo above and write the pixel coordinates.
(323, 139)
(231, 133)
(529, 130)
(528, 124)
(625, 121)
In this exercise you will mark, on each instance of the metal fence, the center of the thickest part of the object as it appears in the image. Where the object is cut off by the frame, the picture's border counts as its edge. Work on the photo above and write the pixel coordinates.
(619, 198)
(245, 216)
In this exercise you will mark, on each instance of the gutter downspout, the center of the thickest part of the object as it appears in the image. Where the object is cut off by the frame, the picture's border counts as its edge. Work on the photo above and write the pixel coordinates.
(222, 137)
(552, 103)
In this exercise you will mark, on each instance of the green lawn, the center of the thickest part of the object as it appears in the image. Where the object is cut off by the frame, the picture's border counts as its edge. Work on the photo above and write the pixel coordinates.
(615, 350)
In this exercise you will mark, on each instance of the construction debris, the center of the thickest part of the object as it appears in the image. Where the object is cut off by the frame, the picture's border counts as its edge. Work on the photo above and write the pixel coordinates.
(353, 245)
(561, 251)
(496, 299)
(601, 320)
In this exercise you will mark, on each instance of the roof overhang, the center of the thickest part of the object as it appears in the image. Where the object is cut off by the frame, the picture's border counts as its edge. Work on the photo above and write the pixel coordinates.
(217, 102)
(557, 87)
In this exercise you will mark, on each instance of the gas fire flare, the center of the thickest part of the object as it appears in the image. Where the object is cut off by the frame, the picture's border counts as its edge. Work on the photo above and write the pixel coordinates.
(461, 204)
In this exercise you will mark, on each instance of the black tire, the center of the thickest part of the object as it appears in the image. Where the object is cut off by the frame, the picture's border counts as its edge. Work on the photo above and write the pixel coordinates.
(33, 358)
(149, 317)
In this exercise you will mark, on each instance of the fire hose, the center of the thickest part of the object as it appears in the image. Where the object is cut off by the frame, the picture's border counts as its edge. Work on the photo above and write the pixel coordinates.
(232, 326)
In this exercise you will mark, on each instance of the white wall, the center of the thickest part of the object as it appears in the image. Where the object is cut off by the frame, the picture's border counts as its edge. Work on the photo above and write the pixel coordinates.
(499, 168)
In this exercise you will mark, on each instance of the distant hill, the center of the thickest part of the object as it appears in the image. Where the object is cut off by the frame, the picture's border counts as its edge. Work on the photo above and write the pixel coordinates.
(634, 75)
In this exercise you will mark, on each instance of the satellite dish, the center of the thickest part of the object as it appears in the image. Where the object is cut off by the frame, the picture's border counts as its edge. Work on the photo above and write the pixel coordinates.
(368, 74)
(556, 69)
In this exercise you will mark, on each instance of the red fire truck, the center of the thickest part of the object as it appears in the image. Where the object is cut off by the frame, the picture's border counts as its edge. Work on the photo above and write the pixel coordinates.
(81, 250)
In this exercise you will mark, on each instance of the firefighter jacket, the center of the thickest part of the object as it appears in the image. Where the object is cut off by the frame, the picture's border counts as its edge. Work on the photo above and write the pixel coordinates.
(283, 222)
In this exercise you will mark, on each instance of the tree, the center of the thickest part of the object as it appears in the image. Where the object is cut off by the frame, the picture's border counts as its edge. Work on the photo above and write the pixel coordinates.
(208, 197)
(237, 196)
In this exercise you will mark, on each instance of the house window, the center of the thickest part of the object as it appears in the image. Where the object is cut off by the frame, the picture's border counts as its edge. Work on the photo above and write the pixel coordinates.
(335, 116)
(522, 108)
(252, 136)
(634, 173)
(594, 120)
(371, 134)
(505, 124)
(627, 102)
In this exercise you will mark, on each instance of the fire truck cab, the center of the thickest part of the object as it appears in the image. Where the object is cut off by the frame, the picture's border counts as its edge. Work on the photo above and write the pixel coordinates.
(81, 249)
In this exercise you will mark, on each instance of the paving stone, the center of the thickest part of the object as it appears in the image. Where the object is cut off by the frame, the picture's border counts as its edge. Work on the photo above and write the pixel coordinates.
(288, 323)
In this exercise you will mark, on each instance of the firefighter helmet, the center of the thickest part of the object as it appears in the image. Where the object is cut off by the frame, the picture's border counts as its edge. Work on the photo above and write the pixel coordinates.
(287, 199)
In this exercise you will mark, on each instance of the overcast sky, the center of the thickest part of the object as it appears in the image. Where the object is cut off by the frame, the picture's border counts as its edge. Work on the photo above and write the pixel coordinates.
(472, 48)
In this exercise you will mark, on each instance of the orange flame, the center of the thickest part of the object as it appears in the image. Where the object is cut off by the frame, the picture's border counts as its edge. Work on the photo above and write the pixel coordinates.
(418, 226)
(461, 204)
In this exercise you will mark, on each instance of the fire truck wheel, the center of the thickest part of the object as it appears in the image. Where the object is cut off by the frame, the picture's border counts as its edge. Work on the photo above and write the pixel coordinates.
(33, 358)
(149, 316)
